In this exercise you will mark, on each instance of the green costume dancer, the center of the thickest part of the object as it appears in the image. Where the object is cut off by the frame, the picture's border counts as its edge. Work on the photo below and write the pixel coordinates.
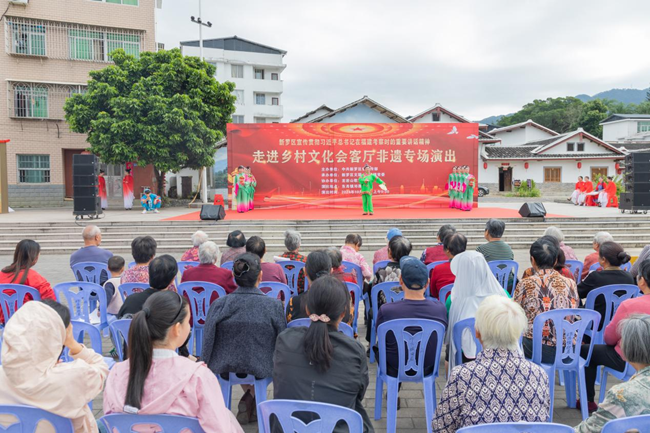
(367, 182)
(251, 188)
(461, 188)
(451, 187)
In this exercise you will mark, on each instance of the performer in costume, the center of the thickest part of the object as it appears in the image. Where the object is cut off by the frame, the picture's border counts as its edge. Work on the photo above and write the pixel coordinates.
(101, 182)
(462, 187)
(251, 188)
(150, 201)
(610, 190)
(127, 190)
(576, 193)
(451, 184)
(601, 192)
(588, 188)
(470, 183)
(241, 192)
(367, 182)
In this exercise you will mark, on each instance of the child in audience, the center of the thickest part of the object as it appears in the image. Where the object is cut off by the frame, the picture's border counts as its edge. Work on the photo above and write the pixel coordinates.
(113, 298)
(155, 380)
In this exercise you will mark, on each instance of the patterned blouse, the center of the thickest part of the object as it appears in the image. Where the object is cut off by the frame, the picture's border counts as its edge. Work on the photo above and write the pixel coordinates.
(499, 386)
(140, 274)
(191, 255)
(544, 291)
(622, 401)
(231, 254)
(301, 275)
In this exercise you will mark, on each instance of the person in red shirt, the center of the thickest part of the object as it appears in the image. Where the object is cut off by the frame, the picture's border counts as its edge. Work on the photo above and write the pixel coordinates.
(588, 188)
(20, 272)
(337, 269)
(441, 275)
(610, 189)
(599, 239)
(436, 253)
(209, 272)
(576, 193)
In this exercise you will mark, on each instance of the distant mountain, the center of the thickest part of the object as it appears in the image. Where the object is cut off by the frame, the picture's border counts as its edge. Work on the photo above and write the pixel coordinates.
(627, 96)
(492, 120)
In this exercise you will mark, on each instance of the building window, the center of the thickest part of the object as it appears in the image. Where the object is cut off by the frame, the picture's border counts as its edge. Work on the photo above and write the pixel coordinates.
(237, 71)
(597, 172)
(96, 46)
(260, 99)
(119, 2)
(435, 117)
(30, 101)
(643, 127)
(259, 74)
(570, 147)
(260, 120)
(553, 174)
(274, 76)
(129, 43)
(33, 168)
(237, 118)
(275, 101)
(239, 94)
(580, 147)
(28, 39)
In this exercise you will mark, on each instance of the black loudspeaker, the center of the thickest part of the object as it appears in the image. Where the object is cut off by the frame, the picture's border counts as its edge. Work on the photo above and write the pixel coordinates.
(637, 200)
(637, 183)
(86, 201)
(531, 210)
(212, 212)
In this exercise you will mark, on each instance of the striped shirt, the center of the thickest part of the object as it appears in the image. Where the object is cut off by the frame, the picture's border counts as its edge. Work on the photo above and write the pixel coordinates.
(496, 250)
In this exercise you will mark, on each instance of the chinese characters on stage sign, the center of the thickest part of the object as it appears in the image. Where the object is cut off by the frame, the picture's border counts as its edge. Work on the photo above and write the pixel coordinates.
(354, 156)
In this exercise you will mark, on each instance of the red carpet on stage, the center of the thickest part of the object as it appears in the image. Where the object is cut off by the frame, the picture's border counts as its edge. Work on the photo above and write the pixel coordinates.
(356, 214)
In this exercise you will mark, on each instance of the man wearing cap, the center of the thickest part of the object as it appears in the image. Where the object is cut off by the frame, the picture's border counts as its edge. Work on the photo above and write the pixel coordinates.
(382, 253)
(414, 281)
(150, 201)
(367, 182)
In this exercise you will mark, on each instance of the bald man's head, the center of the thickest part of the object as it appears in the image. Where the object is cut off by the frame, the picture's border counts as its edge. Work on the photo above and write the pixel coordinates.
(92, 235)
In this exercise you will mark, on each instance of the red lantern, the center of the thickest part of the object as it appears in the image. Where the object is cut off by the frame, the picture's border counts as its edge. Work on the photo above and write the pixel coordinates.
(617, 166)
(485, 165)
(579, 165)
(526, 165)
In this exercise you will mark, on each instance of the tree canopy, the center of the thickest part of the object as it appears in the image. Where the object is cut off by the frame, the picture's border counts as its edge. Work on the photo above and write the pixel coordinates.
(162, 109)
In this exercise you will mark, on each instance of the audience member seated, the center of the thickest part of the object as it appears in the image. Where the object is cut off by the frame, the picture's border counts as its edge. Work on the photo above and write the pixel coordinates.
(208, 271)
(32, 375)
(500, 385)
(292, 242)
(599, 239)
(271, 271)
(240, 331)
(113, 297)
(382, 253)
(414, 281)
(91, 252)
(398, 247)
(143, 250)
(643, 255)
(610, 257)
(629, 398)
(350, 253)
(557, 234)
(26, 256)
(192, 255)
(318, 363)
(162, 271)
(495, 248)
(236, 243)
(474, 282)
(610, 354)
(155, 380)
(319, 264)
(337, 267)
(544, 291)
(441, 275)
(560, 264)
(437, 252)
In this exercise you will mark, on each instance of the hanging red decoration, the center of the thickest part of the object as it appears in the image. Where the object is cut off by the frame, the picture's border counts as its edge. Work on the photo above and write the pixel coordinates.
(579, 165)
(526, 165)
(617, 166)
(485, 165)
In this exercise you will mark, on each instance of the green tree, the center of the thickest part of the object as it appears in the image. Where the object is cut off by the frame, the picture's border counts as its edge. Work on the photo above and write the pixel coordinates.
(162, 109)
(593, 112)
(558, 114)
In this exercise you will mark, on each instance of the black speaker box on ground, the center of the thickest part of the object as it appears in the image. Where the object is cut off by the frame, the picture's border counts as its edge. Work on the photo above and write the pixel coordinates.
(530, 210)
(212, 212)
(86, 201)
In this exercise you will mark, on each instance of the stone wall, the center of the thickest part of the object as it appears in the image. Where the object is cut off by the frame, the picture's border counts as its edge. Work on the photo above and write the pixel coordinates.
(36, 195)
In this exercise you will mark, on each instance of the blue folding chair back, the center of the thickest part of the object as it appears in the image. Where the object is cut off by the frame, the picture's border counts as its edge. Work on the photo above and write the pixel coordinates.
(380, 264)
(595, 267)
(184, 266)
(200, 295)
(82, 329)
(277, 290)
(518, 427)
(127, 289)
(626, 267)
(503, 270)
(639, 423)
(132, 265)
(355, 296)
(614, 295)
(82, 299)
(292, 270)
(353, 267)
(228, 265)
(13, 296)
(344, 328)
(431, 266)
(120, 333)
(28, 419)
(261, 385)
(125, 423)
(392, 292)
(90, 272)
(324, 419)
(461, 328)
(623, 376)
(444, 292)
(576, 267)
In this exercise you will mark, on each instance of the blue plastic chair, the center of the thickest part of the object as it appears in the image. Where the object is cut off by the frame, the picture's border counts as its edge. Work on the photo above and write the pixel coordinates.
(125, 423)
(444, 292)
(596, 267)
(261, 386)
(353, 267)
(356, 295)
(82, 302)
(622, 425)
(627, 267)
(412, 344)
(132, 265)
(81, 329)
(292, 269)
(199, 305)
(457, 337)
(183, 265)
(127, 289)
(328, 416)
(502, 269)
(90, 272)
(380, 264)
(120, 333)
(576, 267)
(518, 427)
(567, 355)
(344, 328)
(623, 376)
(273, 289)
(228, 265)
(11, 303)
(29, 417)
(612, 302)
(432, 265)
(390, 296)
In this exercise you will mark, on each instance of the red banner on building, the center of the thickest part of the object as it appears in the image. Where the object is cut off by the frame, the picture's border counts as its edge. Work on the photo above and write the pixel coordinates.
(319, 164)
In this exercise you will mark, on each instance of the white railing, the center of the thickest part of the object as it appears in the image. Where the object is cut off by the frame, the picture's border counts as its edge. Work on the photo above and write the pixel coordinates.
(39, 100)
(67, 41)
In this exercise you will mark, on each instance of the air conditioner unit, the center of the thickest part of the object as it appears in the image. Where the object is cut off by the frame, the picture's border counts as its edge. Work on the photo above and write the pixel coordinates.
(19, 2)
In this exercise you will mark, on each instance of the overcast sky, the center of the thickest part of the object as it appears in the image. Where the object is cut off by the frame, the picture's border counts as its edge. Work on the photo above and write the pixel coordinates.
(475, 57)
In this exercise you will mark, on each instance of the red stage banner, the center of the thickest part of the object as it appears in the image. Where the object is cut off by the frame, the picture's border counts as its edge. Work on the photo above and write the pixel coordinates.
(319, 164)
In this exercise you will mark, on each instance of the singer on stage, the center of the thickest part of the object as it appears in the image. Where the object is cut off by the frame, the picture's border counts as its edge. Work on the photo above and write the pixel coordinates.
(367, 182)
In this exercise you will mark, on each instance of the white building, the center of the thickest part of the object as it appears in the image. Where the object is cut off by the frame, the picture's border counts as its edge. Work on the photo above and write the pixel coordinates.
(628, 131)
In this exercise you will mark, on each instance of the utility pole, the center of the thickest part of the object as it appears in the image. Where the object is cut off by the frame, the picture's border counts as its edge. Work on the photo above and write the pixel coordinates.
(204, 171)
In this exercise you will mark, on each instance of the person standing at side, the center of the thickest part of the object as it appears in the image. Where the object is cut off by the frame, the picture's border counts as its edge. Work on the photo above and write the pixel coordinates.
(127, 190)
(101, 183)
(367, 181)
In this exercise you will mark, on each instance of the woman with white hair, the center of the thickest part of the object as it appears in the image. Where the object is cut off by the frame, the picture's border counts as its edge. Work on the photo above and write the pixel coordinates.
(557, 234)
(192, 255)
(474, 282)
(500, 385)
(292, 241)
(208, 271)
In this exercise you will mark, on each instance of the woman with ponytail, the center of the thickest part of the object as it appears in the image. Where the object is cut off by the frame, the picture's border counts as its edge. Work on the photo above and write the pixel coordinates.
(155, 380)
(318, 363)
(318, 264)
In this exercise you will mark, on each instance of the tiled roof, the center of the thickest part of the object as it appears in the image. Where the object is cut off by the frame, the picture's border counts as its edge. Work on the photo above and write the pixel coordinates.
(525, 152)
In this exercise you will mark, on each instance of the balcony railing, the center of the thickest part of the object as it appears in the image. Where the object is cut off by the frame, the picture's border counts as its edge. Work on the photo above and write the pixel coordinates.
(39, 100)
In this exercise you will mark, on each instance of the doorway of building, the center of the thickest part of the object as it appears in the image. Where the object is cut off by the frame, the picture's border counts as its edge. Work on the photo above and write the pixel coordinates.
(597, 172)
(67, 169)
(505, 179)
